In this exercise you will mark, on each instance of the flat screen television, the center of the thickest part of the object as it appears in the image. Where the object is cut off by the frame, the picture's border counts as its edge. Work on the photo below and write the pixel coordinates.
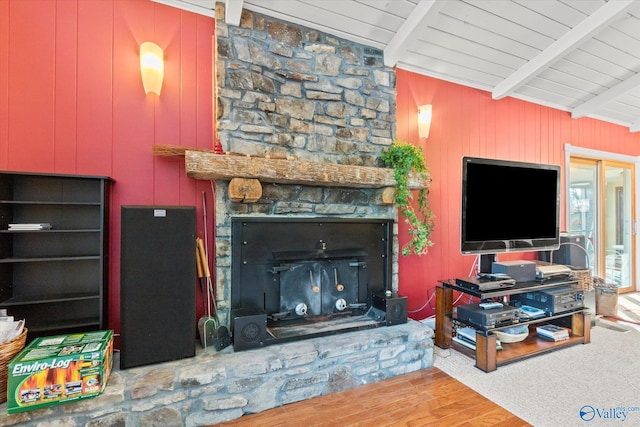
(509, 206)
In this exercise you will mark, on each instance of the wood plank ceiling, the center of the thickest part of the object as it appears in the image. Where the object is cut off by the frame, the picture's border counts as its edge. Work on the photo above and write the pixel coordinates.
(580, 56)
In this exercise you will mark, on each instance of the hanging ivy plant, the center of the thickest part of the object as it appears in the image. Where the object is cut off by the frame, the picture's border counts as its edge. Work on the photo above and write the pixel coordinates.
(404, 158)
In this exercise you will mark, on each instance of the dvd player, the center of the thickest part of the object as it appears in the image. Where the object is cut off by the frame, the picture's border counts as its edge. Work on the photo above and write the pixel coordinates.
(487, 318)
(484, 284)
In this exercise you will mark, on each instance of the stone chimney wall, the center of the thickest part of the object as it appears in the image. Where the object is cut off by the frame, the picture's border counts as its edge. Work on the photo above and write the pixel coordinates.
(284, 90)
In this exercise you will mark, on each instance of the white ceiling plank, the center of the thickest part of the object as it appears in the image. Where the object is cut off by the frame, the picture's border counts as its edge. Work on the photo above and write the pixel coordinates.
(477, 15)
(458, 57)
(555, 74)
(571, 14)
(623, 111)
(572, 95)
(189, 7)
(485, 37)
(635, 126)
(398, 43)
(452, 73)
(233, 11)
(597, 101)
(596, 22)
(446, 42)
(317, 17)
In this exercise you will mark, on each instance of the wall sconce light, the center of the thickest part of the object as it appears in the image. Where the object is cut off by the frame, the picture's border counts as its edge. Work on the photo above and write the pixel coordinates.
(151, 67)
(424, 121)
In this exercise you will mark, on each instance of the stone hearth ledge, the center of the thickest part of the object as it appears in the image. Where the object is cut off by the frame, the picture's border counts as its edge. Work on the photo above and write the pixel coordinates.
(214, 387)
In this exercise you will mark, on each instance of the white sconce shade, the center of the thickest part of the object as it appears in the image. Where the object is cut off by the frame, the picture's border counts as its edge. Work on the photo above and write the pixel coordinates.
(424, 121)
(151, 67)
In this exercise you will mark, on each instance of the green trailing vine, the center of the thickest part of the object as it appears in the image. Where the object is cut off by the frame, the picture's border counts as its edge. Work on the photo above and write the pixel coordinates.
(404, 158)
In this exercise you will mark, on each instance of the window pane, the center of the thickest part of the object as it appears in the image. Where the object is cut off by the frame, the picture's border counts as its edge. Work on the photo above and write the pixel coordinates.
(583, 207)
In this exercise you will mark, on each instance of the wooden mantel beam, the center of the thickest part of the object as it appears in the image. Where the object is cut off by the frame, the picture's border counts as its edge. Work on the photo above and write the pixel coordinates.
(211, 166)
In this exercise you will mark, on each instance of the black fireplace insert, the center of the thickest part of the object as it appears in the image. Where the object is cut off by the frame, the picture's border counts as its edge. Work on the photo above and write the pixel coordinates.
(293, 278)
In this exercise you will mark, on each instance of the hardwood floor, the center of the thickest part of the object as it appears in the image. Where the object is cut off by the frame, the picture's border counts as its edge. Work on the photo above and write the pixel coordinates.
(424, 398)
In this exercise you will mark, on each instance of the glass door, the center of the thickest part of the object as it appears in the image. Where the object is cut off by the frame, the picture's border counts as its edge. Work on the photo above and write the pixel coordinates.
(601, 208)
(583, 207)
(617, 183)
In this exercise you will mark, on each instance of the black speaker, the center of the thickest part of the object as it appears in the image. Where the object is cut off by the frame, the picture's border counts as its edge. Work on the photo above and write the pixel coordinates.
(395, 307)
(249, 328)
(157, 284)
(571, 252)
(486, 262)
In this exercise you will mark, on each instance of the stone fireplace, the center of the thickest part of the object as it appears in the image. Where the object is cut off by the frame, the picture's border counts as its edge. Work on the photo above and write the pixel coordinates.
(303, 118)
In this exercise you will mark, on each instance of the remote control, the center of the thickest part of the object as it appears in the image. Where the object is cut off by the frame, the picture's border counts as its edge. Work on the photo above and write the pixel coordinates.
(490, 304)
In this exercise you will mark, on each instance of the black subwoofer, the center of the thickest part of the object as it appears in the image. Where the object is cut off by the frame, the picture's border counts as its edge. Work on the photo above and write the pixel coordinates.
(571, 252)
(395, 307)
(157, 284)
(249, 328)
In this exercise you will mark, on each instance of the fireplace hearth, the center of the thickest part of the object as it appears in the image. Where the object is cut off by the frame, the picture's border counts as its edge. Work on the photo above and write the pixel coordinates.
(295, 278)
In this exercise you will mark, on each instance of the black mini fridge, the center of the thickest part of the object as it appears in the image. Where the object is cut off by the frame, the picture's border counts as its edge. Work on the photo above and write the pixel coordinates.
(157, 284)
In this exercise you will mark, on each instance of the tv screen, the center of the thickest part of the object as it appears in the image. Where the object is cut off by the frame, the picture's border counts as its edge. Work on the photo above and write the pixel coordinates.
(509, 206)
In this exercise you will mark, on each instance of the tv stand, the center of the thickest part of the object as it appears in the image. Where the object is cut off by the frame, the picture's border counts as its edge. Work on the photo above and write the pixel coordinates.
(488, 358)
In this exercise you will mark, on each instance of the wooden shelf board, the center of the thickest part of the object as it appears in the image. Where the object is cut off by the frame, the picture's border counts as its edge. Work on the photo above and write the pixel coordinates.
(11, 260)
(65, 324)
(46, 299)
(53, 230)
(533, 345)
(51, 203)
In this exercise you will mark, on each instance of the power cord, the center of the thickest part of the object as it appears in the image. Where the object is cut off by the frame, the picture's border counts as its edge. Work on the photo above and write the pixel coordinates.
(472, 272)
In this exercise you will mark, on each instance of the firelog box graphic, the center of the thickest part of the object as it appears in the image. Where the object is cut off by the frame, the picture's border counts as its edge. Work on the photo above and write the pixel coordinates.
(54, 383)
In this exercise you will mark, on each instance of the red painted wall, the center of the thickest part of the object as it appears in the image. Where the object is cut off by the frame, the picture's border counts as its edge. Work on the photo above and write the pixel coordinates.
(71, 100)
(468, 122)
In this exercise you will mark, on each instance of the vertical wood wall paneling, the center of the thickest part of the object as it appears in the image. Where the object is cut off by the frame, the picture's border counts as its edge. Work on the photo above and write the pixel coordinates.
(187, 128)
(133, 133)
(531, 132)
(95, 87)
(66, 88)
(133, 120)
(4, 83)
(167, 119)
(31, 88)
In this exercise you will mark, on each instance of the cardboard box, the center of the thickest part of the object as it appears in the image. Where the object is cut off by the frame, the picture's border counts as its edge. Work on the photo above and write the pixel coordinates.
(59, 369)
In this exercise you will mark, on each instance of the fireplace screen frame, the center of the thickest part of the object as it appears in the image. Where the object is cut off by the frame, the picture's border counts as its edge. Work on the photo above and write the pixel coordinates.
(265, 249)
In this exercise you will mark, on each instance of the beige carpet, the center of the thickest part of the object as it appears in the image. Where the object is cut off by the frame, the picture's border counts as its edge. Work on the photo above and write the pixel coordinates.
(596, 384)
